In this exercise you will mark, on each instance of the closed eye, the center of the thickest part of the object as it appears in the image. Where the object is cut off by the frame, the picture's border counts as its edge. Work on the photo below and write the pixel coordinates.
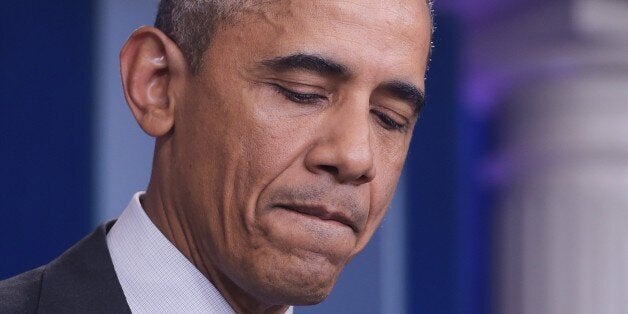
(389, 123)
(301, 98)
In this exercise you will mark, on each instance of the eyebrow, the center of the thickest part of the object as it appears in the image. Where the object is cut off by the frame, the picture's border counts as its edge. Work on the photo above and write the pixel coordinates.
(308, 62)
(406, 92)
(401, 90)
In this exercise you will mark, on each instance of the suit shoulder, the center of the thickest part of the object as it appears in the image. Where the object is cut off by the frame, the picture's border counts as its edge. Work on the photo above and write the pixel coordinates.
(20, 294)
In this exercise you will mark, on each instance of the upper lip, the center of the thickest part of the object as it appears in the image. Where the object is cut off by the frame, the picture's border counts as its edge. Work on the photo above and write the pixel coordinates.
(323, 213)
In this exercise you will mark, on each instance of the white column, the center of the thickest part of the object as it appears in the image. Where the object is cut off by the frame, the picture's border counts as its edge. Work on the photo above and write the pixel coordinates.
(562, 211)
(557, 77)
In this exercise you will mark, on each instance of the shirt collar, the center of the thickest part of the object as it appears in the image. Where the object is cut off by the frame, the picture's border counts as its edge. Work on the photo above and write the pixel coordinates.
(155, 276)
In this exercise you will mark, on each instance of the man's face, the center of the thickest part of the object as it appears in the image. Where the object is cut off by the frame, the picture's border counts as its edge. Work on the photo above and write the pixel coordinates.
(289, 143)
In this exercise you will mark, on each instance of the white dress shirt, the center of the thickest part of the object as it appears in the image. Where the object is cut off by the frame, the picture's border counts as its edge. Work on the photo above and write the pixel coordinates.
(155, 276)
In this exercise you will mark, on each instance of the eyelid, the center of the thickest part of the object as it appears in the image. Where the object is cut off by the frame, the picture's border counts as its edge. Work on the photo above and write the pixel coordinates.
(388, 122)
(298, 97)
(394, 110)
(392, 124)
(402, 107)
(296, 85)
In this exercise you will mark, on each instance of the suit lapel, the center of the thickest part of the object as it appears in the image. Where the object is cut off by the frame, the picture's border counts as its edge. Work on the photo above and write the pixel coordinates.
(83, 279)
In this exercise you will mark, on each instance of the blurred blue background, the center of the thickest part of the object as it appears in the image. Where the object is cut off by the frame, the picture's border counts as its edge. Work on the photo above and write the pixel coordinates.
(514, 198)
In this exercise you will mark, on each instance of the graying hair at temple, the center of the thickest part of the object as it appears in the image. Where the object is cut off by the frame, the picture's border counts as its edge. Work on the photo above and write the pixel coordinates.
(192, 23)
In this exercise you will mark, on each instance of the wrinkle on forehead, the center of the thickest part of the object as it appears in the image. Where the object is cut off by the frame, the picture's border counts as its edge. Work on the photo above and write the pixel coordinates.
(405, 23)
(391, 12)
(269, 11)
(407, 18)
(390, 27)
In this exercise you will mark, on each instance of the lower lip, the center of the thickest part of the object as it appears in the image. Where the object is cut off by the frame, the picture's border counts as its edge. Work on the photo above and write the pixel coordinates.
(330, 223)
(293, 231)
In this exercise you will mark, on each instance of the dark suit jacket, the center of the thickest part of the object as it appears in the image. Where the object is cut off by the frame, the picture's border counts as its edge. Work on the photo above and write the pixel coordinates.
(82, 280)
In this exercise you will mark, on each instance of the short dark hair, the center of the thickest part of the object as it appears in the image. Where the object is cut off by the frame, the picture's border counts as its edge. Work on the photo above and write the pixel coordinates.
(192, 23)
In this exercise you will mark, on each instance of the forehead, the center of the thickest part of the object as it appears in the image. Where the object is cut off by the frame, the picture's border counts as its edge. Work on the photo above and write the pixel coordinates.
(393, 11)
(394, 34)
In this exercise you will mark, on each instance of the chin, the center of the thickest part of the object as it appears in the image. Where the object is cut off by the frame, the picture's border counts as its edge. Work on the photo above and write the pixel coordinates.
(305, 293)
(295, 281)
(310, 299)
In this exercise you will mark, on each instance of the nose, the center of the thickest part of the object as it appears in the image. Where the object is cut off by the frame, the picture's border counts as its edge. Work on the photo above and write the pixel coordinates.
(344, 147)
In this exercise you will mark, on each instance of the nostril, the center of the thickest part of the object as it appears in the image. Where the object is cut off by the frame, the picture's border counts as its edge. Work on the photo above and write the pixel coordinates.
(329, 169)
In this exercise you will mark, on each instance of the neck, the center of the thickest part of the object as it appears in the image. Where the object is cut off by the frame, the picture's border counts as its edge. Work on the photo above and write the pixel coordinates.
(163, 211)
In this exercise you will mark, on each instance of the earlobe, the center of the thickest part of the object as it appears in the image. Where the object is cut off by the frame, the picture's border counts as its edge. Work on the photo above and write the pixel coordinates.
(150, 66)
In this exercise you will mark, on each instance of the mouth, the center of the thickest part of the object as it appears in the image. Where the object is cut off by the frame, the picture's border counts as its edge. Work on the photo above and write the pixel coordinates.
(322, 213)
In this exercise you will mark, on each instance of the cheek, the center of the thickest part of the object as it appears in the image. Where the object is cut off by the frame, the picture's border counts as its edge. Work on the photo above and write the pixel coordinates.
(389, 159)
(263, 141)
(381, 196)
(280, 133)
(389, 166)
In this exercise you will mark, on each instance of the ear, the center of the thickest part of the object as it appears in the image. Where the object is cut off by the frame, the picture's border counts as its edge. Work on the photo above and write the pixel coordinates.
(152, 69)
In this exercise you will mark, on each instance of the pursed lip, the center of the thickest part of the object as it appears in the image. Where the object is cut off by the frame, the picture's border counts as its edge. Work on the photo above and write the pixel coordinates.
(321, 212)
